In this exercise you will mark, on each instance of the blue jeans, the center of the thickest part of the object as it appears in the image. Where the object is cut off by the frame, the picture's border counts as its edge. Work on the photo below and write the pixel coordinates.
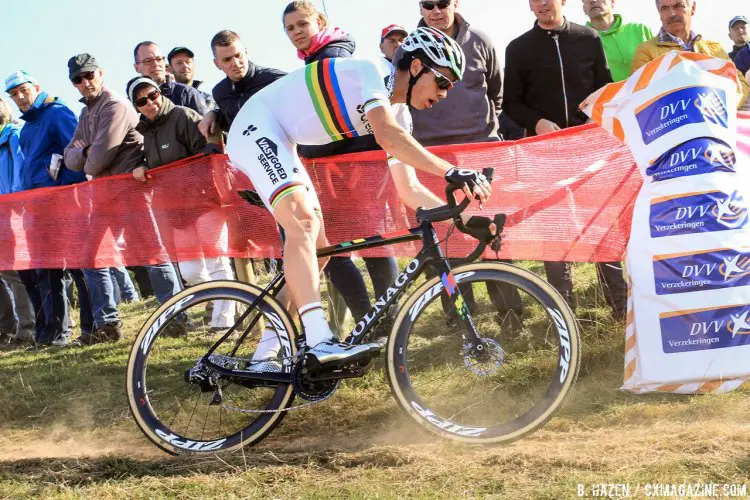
(101, 288)
(46, 289)
(125, 290)
(102, 293)
(164, 281)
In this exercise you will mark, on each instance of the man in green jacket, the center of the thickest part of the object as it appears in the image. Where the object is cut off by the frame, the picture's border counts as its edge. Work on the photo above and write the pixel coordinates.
(620, 40)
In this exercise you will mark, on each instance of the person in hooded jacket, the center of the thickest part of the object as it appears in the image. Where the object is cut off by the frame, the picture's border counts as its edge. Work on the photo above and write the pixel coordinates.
(315, 39)
(49, 126)
(16, 312)
(170, 133)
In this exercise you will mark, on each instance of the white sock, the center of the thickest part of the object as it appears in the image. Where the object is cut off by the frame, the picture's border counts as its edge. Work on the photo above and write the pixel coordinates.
(314, 320)
(268, 347)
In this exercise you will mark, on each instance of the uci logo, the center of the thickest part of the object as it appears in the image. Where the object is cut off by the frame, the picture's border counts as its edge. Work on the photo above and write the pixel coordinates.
(739, 324)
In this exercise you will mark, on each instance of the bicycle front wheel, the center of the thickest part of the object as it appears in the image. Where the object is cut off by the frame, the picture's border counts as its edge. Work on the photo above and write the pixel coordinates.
(529, 359)
(178, 401)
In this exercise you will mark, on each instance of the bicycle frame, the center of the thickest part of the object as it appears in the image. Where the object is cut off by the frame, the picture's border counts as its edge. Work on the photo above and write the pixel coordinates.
(430, 254)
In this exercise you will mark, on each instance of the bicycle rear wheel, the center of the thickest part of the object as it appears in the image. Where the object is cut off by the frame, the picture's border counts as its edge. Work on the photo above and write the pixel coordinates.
(512, 387)
(175, 409)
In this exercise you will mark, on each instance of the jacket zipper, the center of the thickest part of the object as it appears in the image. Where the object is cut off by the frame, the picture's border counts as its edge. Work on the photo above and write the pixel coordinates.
(556, 38)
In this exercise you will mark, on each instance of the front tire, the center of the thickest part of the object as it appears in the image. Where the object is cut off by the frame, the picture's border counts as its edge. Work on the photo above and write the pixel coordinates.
(508, 391)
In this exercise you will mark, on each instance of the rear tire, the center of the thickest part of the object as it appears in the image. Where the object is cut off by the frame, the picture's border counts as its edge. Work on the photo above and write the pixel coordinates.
(161, 399)
(511, 389)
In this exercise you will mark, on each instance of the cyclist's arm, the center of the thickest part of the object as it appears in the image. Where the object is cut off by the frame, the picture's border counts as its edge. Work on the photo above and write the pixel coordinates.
(412, 192)
(397, 141)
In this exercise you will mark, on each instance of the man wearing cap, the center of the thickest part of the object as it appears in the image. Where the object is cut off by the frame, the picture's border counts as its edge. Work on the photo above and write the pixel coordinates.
(49, 126)
(106, 143)
(151, 63)
(181, 65)
(738, 34)
(741, 52)
(676, 33)
(620, 40)
(391, 38)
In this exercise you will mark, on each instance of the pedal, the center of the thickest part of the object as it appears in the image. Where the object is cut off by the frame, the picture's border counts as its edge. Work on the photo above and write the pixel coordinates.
(363, 358)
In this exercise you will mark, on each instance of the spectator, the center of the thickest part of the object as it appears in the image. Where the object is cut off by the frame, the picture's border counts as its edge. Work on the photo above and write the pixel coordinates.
(123, 286)
(676, 34)
(181, 65)
(48, 128)
(106, 143)
(16, 312)
(315, 39)
(742, 61)
(150, 62)
(470, 113)
(738, 34)
(620, 40)
(542, 94)
(171, 134)
(391, 38)
(244, 79)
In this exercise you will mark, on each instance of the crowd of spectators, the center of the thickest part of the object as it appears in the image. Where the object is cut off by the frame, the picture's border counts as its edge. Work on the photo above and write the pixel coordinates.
(164, 116)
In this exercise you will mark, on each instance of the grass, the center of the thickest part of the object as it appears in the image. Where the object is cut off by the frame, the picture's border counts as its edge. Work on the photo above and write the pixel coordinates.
(65, 431)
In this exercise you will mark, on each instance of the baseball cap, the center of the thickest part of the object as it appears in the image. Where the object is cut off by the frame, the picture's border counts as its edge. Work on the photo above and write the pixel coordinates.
(738, 19)
(393, 28)
(81, 64)
(17, 78)
(178, 50)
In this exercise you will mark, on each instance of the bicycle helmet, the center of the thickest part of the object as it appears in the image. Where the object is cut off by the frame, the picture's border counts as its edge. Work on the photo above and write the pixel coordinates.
(436, 49)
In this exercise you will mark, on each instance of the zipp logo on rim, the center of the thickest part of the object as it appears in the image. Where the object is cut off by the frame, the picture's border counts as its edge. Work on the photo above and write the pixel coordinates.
(163, 318)
(447, 425)
(190, 445)
(564, 334)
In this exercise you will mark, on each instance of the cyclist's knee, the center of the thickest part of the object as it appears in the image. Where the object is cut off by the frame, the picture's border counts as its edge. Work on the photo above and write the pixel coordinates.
(299, 220)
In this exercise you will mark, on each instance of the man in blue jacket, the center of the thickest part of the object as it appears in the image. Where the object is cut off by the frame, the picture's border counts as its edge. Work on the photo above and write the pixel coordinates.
(49, 126)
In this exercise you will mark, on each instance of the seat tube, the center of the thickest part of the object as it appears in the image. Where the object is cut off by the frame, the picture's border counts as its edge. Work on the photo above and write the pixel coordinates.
(455, 299)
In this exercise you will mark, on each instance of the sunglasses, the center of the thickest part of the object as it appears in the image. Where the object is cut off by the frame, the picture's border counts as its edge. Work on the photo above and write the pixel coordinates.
(152, 96)
(442, 81)
(441, 4)
(89, 75)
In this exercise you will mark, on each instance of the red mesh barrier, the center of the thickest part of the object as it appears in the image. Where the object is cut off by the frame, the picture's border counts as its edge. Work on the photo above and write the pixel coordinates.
(568, 196)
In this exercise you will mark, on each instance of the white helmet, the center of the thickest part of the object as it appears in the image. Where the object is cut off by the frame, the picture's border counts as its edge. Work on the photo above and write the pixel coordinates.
(440, 50)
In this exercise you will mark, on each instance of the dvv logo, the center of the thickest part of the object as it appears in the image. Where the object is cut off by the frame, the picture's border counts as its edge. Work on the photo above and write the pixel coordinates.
(678, 108)
(711, 270)
(703, 329)
(698, 156)
(693, 213)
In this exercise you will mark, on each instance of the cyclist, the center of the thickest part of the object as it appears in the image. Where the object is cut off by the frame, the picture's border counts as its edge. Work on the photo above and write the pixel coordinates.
(327, 101)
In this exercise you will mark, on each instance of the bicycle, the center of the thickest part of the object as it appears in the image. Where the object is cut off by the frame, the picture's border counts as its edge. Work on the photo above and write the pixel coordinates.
(235, 406)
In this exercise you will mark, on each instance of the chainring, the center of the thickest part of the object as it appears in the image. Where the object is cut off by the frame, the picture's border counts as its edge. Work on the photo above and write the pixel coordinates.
(310, 390)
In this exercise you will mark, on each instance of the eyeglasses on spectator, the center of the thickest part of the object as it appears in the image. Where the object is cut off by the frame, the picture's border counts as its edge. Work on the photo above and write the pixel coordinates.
(440, 4)
(88, 75)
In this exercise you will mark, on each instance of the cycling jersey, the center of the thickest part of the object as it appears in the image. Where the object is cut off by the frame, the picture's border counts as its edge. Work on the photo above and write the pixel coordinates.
(324, 102)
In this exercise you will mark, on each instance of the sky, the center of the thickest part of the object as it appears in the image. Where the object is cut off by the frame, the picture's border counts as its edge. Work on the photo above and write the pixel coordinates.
(41, 35)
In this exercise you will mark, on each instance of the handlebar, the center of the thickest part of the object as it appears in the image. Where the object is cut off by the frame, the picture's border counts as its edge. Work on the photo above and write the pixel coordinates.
(453, 211)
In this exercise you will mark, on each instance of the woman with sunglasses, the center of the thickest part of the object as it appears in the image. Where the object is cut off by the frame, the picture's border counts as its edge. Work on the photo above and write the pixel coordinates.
(170, 133)
(325, 102)
(315, 39)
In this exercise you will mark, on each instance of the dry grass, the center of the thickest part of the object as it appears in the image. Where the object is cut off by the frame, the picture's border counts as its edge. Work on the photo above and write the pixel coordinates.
(65, 432)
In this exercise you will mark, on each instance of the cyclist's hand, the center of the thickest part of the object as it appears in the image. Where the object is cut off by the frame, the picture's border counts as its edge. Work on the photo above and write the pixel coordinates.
(473, 183)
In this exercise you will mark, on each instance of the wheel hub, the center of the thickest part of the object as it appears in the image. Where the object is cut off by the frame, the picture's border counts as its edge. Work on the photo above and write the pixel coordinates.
(484, 359)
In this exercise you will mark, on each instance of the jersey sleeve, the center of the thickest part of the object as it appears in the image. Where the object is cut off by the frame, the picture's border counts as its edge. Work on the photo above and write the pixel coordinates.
(374, 91)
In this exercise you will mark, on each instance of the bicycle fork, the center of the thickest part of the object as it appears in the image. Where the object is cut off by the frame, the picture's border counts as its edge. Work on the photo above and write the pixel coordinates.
(455, 299)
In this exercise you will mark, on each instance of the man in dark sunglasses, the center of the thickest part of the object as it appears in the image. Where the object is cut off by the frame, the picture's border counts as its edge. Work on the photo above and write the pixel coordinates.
(454, 121)
(106, 143)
